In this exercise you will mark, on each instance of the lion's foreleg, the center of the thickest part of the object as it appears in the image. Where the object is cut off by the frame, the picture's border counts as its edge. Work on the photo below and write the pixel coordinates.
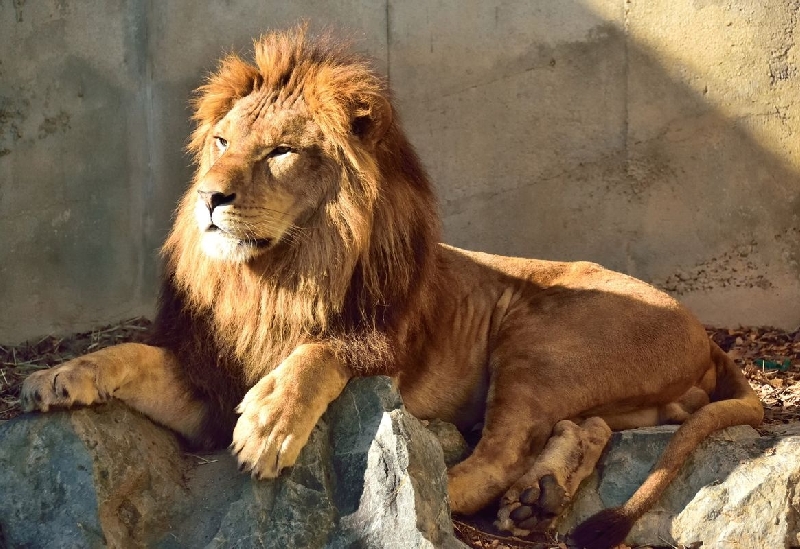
(146, 378)
(278, 414)
(539, 496)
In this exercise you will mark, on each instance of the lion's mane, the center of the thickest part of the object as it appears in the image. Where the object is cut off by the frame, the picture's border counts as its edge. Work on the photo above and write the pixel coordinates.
(359, 276)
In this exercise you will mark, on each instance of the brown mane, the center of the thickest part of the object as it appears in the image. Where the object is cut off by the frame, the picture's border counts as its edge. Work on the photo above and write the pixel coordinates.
(359, 272)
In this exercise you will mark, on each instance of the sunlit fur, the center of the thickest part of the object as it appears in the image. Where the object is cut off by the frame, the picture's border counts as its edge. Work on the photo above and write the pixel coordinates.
(355, 268)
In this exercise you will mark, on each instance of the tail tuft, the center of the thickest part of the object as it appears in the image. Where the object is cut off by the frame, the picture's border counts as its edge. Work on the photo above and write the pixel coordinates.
(605, 530)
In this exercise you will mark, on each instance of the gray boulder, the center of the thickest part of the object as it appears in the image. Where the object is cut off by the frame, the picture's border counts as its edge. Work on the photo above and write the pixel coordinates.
(370, 476)
(737, 490)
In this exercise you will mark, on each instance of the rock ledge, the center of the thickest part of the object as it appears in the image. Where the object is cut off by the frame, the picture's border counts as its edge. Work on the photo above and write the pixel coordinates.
(371, 476)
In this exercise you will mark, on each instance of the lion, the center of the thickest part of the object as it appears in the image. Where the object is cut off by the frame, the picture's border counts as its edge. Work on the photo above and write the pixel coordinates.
(306, 252)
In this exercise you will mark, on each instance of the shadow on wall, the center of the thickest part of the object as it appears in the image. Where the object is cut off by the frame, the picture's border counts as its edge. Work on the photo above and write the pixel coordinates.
(653, 138)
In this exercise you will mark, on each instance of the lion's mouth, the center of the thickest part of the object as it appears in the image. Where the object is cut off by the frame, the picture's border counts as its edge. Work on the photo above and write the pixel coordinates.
(259, 243)
(256, 242)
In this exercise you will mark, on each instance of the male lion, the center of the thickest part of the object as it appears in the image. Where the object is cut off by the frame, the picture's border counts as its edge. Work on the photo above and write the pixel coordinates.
(305, 253)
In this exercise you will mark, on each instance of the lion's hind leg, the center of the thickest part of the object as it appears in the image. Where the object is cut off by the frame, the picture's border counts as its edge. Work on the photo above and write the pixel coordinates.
(146, 378)
(733, 402)
(500, 457)
(535, 500)
(514, 432)
(673, 413)
(539, 496)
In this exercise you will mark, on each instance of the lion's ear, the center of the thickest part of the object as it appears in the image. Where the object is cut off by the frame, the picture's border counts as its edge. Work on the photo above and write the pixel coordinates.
(371, 119)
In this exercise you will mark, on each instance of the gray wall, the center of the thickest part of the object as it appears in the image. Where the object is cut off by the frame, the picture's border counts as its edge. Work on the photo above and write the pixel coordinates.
(656, 137)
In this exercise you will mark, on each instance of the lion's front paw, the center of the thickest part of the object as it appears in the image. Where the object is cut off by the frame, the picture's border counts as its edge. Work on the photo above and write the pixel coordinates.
(273, 427)
(74, 382)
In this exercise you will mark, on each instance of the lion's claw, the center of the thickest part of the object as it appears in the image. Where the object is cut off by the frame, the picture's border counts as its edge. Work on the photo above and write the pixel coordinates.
(60, 387)
(61, 390)
(271, 430)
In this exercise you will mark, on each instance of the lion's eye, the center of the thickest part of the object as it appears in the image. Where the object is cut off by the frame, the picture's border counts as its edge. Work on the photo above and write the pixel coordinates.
(221, 142)
(280, 151)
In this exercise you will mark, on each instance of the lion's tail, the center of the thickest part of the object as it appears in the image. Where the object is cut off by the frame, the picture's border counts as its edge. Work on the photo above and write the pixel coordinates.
(733, 403)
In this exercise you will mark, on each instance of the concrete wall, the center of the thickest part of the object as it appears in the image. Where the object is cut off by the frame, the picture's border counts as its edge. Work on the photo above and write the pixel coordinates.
(653, 136)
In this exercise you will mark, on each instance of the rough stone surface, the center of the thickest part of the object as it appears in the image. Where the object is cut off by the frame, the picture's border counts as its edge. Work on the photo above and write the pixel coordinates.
(653, 136)
(371, 476)
(454, 446)
(738, 489)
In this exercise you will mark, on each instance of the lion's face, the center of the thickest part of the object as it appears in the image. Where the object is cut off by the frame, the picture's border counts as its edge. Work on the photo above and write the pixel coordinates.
(265, 171)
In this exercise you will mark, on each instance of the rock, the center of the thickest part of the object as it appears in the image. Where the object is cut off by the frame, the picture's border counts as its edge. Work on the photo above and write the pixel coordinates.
(454, 446)
(738, 489)
(370, 476)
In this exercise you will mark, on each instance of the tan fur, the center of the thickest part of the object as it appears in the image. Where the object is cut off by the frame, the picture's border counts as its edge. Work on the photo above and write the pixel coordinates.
(145, 377)
(304, 253)
(279, 412)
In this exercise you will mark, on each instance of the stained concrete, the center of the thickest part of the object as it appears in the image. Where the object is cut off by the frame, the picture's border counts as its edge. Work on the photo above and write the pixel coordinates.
(655, 137)
(73, 156)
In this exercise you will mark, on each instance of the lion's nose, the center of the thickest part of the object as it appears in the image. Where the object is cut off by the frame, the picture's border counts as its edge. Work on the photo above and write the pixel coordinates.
(212, 199)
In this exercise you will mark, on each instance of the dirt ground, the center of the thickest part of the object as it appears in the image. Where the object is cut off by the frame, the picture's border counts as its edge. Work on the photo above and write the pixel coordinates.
(769, 357)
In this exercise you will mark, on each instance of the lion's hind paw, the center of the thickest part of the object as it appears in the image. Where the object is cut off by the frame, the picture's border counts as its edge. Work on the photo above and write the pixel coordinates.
(539, 497)
(535, 508)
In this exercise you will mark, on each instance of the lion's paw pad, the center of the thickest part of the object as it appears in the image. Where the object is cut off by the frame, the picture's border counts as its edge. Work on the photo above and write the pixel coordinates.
(535, 508)
(549, 497)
